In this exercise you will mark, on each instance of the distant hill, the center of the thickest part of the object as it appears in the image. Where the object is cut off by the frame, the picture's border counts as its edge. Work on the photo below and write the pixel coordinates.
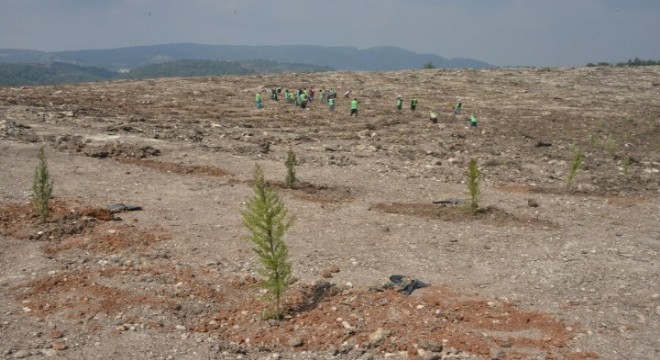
(340, 58)
(59, 73)
(187, 68)
(51, 73)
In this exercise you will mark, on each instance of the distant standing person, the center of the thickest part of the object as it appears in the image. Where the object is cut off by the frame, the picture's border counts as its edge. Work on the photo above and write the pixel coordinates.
(399, 102)
(413, 104)
(303, 100)
(458, 108)
(473, 121)
(354, 107)
(257, 100)
(331, 103)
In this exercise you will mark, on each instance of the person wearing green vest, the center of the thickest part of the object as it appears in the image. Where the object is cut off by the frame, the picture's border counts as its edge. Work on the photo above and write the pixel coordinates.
(257, 100)
(354, 107)
(399, 102)
(413, 104)
(473, 121)
(331, 103)
(458, 108)
(303, 100)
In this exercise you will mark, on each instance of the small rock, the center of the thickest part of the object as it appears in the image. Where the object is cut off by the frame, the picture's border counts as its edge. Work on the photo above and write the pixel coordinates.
(56, 334)
(347, 325)
(377, 337)
(497, 355)
(295, 342)
(48, 352)
(180, 327)
(641, 319)
(430, 346)
(20, 354)
(428, 355)
(59, 345)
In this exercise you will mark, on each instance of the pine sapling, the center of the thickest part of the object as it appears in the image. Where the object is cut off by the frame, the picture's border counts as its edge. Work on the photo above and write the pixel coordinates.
(626, 167)
(267, 220)
(42, 187)
(576, 165)
(290, 164)
(473, 179)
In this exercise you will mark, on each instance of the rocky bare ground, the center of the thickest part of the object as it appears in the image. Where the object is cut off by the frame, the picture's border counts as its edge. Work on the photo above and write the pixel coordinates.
(543, 270)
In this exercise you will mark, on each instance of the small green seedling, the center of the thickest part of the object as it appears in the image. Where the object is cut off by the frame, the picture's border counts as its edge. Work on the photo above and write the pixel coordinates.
(473, 180)
(576, 165)
(290, 164)
(42, 187)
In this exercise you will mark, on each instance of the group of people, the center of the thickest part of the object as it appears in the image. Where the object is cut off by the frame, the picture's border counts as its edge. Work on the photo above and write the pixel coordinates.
(302, 97)
(433, 116)
(399, 103)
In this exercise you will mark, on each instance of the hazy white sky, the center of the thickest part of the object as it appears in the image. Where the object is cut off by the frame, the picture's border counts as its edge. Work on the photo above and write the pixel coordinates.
(501, 32)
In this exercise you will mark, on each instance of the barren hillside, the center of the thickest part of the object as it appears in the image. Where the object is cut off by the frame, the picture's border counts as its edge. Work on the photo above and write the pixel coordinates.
(546, 268)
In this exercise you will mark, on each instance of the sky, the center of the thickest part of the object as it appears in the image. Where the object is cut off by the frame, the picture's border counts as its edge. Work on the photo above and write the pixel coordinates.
(500, 32)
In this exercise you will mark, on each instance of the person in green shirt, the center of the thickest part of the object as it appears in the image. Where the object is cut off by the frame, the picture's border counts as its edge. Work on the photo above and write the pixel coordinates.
(257, 100)
(399, 102)
(331, 103)
(458, 108)
(473, 121)
(354, 107)
(413, 104)
(303, 100)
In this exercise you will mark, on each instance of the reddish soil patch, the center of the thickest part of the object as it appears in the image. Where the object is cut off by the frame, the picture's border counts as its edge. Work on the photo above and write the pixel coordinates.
(65, 218)
(170, 167)
(489, 215)
(318, 193)
(109, 239)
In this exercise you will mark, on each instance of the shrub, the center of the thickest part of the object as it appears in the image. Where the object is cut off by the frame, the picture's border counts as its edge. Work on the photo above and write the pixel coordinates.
(42, 187)
(267, 220)
(290, 169)
(473, 179)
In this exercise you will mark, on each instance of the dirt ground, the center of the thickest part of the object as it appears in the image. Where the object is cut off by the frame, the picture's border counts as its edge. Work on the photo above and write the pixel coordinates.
(546, 269)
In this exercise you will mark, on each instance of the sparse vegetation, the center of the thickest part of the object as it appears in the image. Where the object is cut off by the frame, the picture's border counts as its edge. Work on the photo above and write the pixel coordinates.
(42, 187)
(428, 65)
(474, 190)
(576, 165)
(631, 62)
(626, 167)
(290, 169)
(610, 147)
(267, 220)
